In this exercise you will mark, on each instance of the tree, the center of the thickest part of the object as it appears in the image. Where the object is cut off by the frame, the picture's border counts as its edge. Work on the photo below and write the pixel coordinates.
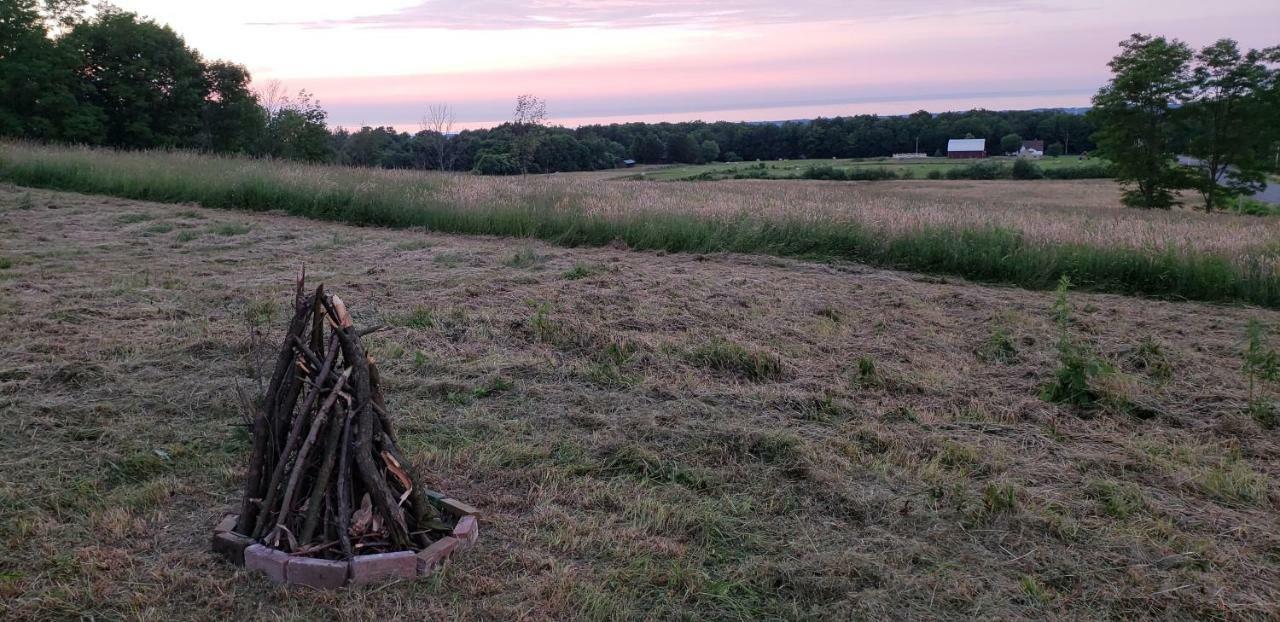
(1010, 143)
(1227, 123)
(149, 85)
(299, 131)
(233, 120)
(684, 149)
(1135, 116)
(650, 149)
(710, 151)
(526, 122)
(438, 121)
(1054, 150)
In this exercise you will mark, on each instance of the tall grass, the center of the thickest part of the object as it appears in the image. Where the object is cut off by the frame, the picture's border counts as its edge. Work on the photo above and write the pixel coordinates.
(560, 213)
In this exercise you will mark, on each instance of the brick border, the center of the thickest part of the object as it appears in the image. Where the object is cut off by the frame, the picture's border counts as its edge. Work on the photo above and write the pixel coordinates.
(282, 568)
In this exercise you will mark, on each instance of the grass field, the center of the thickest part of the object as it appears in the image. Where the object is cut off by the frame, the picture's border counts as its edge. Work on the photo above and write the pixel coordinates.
(789, 169)
(1021, 233)
(648, 435)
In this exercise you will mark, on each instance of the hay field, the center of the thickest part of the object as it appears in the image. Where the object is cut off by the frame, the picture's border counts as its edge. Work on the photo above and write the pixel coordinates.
(649, 435)
(1022, 233)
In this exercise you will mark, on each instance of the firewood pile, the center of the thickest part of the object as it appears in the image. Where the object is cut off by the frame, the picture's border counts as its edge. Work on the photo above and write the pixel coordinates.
(326, 477)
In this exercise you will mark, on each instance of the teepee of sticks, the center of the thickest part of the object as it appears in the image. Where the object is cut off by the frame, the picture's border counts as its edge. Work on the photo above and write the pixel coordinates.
(326, 477)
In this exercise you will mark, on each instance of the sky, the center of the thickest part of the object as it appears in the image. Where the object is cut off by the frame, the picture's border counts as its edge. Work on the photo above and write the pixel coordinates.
(382, 62)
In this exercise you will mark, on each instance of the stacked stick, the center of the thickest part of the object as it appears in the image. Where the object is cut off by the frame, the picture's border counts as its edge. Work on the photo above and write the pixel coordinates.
(326, 476)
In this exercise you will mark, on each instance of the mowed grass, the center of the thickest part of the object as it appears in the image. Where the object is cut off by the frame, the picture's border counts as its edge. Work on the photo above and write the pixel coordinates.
(565, 214)
(669, 437)
(790, 169)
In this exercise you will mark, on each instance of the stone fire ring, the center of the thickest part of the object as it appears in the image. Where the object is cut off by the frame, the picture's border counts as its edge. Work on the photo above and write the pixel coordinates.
(325, 574)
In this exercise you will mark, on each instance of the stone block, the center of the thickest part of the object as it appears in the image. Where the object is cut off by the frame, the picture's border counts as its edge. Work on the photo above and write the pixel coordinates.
(366, 569)
(467, 531)
(457, 508)
(231, 546)
(433, 556)
(322, 574)
(228, 523)
(266, 560)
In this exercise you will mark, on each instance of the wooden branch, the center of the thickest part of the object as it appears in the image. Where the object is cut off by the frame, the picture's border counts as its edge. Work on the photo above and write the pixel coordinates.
(286, 503)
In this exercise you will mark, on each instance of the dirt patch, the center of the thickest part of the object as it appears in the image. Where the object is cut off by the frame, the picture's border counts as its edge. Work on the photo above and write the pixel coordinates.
(660, 436)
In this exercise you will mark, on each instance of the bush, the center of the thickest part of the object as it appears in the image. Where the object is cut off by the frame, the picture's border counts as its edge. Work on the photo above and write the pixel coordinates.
(934, 174)
(1054, 150)
(825, 171)
(870, 174)
(732, 157)
(1254, 207)
(1025, 169)
(496, 164)
(979, 170)
(1087, 171)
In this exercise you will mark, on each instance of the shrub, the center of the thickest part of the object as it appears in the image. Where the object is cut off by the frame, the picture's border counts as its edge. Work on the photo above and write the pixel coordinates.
(979, 170)
(1085, 171)
(870, 174)
(1025, 169)
(934, 174)
(496, 164)
(1253, 207)
(1054, 150)
(825, 171)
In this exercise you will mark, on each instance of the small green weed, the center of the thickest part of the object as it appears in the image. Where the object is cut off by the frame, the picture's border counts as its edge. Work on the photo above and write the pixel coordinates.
(524, 258)
(1118, 499)
(722, 355)
(133, 218)
(1261, 368)
(998, 348)
(1078, 369)
(229, 229)
(584, 270)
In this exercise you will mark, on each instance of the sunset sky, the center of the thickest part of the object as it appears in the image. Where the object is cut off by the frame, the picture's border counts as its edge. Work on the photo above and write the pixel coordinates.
(380, 62)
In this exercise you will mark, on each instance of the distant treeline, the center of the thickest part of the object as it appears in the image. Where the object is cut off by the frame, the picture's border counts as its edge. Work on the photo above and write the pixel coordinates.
(123, 81)
(595, 147)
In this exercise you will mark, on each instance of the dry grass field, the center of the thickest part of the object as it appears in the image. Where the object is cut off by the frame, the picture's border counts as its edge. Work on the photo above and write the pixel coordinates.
(648, 435)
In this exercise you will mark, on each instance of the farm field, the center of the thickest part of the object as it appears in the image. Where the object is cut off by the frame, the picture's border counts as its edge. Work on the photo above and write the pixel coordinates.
(648, 435)
(787, 169)
(1022, 233)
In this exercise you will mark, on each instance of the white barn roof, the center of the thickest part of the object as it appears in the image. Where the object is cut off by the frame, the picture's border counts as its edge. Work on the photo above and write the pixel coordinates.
(967, 144)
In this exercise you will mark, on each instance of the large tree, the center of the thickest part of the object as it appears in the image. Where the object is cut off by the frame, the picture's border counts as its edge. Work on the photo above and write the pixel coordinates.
(1135, 115)
(1227, 122)
(149, 85)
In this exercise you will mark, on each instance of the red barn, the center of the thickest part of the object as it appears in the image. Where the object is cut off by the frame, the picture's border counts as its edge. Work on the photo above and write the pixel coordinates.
(967, 148)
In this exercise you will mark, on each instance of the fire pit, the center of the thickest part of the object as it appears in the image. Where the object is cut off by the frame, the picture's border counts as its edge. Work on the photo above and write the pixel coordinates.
(329, 498)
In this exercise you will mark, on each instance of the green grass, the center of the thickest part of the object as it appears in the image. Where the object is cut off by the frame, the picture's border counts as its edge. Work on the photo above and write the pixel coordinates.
(552, 213)
(793, 169)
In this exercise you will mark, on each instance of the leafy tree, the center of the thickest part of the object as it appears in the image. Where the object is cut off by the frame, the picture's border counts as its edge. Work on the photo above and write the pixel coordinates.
(1010, 143)
(526, 123)
(650, 149)
(683, 148)
(298, 131)
(233, 119)
(1227, 122)
(1054, 150)
(497, 164)
(710, 151)
(1135, 114)
(149, 85)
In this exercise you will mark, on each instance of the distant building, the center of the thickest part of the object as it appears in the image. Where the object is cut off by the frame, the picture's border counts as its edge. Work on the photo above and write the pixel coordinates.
(966, 148)
(1033, 149)
(628, 163)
